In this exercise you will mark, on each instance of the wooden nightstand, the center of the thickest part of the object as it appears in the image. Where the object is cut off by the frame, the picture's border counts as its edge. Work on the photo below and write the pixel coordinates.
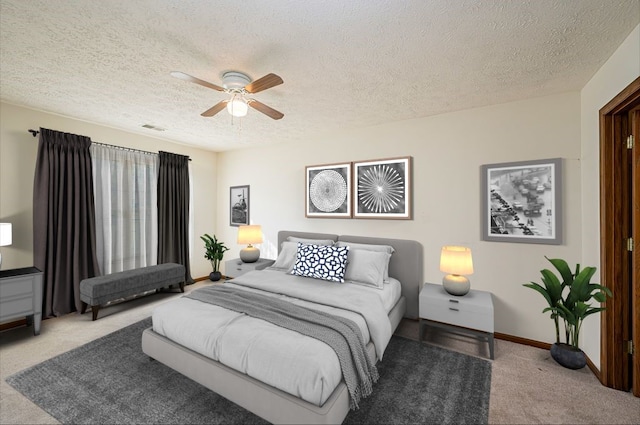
(234, 268)
(470, 314)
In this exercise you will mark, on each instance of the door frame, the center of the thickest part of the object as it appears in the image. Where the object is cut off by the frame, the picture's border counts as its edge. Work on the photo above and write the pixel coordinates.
(619, 271)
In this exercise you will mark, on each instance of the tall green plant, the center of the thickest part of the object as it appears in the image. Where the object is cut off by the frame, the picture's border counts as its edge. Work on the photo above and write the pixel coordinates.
(568, 299)
(214, 250)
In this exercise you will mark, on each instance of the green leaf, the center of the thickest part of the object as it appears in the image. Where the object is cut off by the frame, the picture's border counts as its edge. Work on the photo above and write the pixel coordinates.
(541, 290)
(563, 268)
(552, 284)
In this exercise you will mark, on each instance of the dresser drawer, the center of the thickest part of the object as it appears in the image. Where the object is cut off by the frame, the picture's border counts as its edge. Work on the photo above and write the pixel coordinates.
(16, 308)
(16, 287)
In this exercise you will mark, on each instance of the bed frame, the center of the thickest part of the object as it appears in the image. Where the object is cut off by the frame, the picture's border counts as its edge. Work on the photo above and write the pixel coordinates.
(274, 405)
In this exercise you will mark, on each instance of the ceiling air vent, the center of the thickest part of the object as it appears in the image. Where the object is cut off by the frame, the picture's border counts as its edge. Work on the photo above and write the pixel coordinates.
(153, 127)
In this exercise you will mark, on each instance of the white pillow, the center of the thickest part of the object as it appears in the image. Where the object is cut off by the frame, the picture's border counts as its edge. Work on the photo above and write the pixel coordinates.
(321, 262)
(287, 256)
(371, 247)
(366, 267)
(325, 242)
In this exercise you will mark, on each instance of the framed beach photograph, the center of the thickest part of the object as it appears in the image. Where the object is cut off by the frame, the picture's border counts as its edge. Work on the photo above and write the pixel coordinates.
(239, 205)
(522, 201)
(328, 191)
(382, 189)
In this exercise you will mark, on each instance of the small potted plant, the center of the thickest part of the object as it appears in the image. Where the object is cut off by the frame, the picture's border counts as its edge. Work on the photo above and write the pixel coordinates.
(214, 251)
(568, 300)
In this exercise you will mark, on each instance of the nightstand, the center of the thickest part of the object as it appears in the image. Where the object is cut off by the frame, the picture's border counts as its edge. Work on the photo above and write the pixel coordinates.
(469, 314)
(234, 268)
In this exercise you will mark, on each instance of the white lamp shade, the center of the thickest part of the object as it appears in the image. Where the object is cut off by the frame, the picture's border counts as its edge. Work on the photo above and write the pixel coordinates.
(5, 234)
(456, 260)
(250, 234)
(237, 107)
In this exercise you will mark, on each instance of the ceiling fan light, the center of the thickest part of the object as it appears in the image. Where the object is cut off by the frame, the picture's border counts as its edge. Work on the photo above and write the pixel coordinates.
(237, 107)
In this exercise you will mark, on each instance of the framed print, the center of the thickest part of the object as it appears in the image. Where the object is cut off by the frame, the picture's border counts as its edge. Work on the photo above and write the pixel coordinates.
(239, 205)
(328, 191)
(382, 188)
(522, 201)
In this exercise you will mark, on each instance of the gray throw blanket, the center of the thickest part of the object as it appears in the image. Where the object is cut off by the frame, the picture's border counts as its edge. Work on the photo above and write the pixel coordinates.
(341, 334)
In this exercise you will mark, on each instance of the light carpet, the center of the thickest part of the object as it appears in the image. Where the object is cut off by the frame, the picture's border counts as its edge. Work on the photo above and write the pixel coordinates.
(110, 380)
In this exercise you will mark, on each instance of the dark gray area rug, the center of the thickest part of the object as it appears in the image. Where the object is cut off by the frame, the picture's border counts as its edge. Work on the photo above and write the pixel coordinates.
(110, 380)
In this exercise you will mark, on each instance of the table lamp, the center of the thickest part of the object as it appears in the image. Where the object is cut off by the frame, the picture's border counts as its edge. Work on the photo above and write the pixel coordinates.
(249, 234)
(457, 261)
(5, 236)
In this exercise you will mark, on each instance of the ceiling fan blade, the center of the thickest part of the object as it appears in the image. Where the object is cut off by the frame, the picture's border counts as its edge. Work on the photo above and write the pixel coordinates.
(191, 79)
(215, 109)
(258, 106)
(266, 82)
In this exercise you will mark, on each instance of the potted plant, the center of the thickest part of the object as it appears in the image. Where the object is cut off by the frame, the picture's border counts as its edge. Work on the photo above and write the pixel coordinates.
(214, 251)
(568, 296)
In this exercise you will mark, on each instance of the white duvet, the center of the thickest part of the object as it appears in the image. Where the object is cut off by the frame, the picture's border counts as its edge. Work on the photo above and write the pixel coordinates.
(294, 363)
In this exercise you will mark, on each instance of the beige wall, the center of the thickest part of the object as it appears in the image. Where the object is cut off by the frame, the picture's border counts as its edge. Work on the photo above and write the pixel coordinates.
(618, 72)
(17, 163)
(447, 152)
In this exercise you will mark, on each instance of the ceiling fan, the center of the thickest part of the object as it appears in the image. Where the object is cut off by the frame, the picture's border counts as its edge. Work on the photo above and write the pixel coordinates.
(238, 85)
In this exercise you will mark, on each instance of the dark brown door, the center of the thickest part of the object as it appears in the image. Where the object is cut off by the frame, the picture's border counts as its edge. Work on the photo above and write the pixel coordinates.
(620, 238)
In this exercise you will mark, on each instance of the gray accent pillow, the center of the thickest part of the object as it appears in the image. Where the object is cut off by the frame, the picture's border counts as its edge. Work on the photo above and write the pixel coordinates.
(322, 242)
(371, 247)
(287, 256)
(367, 267)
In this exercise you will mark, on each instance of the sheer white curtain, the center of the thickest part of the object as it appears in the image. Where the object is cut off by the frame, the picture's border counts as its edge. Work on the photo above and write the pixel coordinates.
(126, 188)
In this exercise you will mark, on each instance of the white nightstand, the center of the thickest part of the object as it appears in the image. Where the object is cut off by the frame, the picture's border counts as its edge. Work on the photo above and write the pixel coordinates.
(234, 268)
(471, 313)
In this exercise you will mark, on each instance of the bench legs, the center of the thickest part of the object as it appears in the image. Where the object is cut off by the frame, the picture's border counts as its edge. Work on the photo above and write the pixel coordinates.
(96, 308)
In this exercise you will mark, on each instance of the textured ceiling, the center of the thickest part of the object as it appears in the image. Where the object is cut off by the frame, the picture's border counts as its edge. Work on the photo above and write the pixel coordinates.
(345, 64)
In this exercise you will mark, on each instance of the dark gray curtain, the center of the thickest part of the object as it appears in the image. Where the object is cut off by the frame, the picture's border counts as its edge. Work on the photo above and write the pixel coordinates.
(64, 234)
(173, 211)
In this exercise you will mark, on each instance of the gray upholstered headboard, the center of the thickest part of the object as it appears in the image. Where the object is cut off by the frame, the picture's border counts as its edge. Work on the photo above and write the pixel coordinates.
(406, 263)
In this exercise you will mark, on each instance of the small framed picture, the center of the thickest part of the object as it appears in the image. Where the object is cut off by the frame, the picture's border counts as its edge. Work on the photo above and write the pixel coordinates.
(328, 191)
(522, 201)
(239, 205)
(382, 188)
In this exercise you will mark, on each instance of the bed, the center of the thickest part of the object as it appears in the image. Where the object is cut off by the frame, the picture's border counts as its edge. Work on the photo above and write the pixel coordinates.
(326, 402)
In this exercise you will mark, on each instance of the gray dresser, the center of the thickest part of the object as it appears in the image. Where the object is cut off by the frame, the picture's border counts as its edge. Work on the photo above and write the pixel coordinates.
(21, 296)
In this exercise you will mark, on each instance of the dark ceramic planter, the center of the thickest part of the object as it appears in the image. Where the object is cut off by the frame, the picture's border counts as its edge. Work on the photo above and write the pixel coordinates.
(568, 356)
(215, 276)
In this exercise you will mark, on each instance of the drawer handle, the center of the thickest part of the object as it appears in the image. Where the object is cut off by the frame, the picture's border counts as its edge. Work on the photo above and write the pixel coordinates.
(453, 309)
(454, 301)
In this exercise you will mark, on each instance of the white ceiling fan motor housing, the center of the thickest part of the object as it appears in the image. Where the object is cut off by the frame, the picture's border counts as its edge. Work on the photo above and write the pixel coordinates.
(234, 80)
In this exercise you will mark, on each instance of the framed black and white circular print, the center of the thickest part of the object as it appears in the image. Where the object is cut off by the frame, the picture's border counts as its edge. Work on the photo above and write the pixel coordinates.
(328, 191)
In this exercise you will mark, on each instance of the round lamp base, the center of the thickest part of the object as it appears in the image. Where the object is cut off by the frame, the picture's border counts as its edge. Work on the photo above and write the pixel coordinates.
(456, 284)
(249, 254)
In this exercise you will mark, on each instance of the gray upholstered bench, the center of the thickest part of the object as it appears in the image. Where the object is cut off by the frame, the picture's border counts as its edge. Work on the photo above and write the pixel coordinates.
(99, 290)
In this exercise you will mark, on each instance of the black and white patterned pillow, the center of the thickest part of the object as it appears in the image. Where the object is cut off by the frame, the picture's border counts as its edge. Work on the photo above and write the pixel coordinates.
(321, 262)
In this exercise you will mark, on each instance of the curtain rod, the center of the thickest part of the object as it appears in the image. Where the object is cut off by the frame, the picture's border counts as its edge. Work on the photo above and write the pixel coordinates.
(35, 133)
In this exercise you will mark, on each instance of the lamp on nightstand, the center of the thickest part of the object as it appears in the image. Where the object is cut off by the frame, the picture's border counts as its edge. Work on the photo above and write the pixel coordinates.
(457, 261)
(248, 235)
